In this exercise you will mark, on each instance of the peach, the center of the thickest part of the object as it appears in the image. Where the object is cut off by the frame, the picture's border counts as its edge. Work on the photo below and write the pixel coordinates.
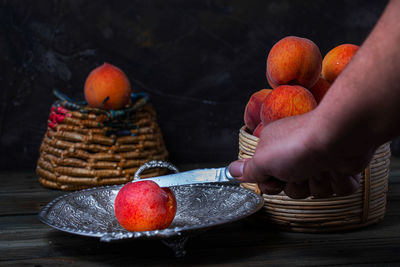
(336, 60)
(285, 101)
(144, 206)
(258, 129)
(253, 107)
(294, 61)
(107, 87)
(319, 89)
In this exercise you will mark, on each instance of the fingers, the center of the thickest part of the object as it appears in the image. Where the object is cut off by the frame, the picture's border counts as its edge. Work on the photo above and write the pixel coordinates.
(271, 186)
(326, 185)
(297, 190)
(320, 187)
(236, 168)
(345, 185)
(246, 170)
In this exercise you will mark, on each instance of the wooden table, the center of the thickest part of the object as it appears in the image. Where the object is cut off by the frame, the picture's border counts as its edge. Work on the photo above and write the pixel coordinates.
(25, 240)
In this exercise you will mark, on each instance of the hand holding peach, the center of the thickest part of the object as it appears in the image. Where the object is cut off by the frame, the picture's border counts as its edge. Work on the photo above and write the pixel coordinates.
(287, 147)
(290, 151)
(144, 206)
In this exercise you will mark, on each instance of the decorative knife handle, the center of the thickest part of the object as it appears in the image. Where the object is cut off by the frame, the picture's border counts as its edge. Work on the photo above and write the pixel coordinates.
(154, 164)
(225, 175)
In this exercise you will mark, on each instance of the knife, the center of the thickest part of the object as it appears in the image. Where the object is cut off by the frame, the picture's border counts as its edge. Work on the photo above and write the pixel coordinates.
(197, 176)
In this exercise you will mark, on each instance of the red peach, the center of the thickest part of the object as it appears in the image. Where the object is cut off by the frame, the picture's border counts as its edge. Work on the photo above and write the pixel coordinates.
(294, 61)
(285, 101)
(319, 89)
(107, 87)
(144, 206)
(258, 129)
(273, 85)
(336, 60)
(253, 107)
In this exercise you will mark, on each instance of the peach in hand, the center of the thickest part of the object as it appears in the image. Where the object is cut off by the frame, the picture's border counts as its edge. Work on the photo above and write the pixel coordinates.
(336, 60)
(258, 129)
(253, 108)
(144, 206)
(319, 89)
(107, 87)
(294, 61)
(285, 101)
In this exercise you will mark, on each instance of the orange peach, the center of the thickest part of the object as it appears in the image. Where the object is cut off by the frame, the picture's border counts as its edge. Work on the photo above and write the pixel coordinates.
(273, 85)
(319, 89)
(294, 61)
(144, 206)
(285, 101)
(253, 107)
(258, 129)
(107, 87)
(336, 60)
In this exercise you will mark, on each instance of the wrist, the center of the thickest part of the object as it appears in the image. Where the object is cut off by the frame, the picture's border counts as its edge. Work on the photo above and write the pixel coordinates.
(317, 136)
(332, 136)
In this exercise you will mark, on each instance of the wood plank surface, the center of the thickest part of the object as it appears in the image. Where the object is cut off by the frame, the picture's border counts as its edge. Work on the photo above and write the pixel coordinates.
(24, 240)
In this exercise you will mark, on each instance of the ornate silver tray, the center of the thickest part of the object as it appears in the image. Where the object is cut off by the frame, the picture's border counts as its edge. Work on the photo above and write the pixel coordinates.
(200, 206)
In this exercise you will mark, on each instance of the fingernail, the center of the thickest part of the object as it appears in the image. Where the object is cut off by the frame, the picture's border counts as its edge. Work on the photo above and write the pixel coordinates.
(236, 168)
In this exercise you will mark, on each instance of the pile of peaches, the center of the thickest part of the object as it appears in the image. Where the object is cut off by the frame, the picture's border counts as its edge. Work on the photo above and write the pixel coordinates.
(299, 77)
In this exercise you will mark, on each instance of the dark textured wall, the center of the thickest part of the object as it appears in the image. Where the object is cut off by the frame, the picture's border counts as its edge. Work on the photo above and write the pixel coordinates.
(199, 60)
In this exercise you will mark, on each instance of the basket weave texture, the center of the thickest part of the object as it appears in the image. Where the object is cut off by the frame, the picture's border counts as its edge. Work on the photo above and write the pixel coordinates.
(87, 147)
(364, 207)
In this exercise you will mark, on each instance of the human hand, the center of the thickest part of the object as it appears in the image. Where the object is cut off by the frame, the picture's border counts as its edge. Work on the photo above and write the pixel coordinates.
(294, 155)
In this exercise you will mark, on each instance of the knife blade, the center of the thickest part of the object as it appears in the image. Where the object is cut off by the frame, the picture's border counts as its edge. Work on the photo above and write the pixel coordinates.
(197, 176)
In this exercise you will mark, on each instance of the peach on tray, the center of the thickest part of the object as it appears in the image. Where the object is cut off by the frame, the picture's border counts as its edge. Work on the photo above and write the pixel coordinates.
(144, 206)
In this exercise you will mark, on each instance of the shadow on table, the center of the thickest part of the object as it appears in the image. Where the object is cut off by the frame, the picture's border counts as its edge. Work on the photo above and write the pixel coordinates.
(232, 242)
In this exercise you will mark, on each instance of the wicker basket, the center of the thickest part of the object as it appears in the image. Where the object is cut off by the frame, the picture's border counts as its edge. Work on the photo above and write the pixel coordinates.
(86, 147)
(364, 207)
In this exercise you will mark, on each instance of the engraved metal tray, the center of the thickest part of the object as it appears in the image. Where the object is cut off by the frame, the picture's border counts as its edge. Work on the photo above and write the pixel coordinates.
(199, 206)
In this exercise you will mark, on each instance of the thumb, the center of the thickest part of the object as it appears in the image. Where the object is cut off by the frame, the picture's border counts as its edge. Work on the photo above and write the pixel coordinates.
(247, 170)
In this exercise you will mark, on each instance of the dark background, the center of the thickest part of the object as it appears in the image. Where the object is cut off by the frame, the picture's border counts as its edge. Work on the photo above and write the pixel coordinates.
(199, 60)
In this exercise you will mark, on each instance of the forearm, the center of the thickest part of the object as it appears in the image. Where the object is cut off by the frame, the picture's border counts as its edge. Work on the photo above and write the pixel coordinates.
(362, 107)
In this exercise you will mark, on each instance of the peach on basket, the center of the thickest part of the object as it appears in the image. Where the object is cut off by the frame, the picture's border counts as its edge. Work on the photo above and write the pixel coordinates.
(285, 101)
(258, 129)
(253, 108)
(319, 89)
(107, 87)
(336, 60)
(294, 61)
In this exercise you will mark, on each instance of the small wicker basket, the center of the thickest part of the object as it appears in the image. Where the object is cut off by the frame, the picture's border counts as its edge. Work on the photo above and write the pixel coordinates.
(86, 147)
(364, 207)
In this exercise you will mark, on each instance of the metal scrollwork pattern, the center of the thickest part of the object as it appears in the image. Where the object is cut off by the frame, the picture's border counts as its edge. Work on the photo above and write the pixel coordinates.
(154, 164)
(200, 206)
